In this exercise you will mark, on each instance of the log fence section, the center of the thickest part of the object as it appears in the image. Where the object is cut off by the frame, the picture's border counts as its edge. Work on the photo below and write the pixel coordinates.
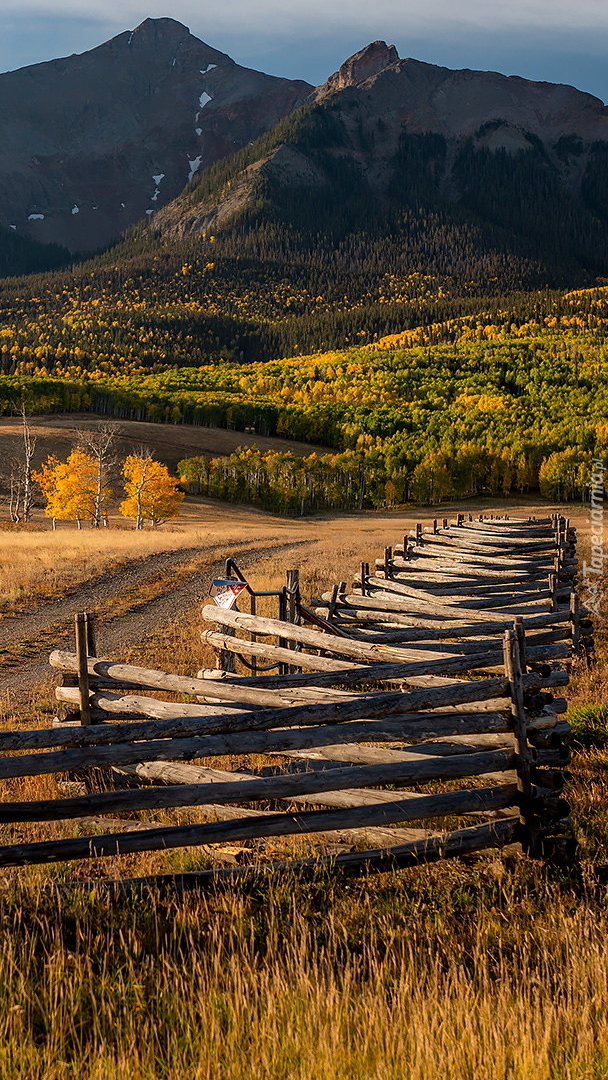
(371, 689)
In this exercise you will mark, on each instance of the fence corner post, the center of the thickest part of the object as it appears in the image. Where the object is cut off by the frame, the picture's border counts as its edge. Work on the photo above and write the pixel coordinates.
(523, 754)
(81, 628)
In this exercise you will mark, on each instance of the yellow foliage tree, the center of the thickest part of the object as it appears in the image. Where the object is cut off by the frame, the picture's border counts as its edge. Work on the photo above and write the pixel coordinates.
(152, 493)
(70, 487)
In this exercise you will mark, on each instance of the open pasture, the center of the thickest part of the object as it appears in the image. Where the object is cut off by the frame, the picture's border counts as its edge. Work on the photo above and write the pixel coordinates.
(493, 968)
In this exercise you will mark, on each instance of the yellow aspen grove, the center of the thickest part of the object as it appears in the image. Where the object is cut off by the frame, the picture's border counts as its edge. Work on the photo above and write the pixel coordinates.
(70, 487)
(152, 493)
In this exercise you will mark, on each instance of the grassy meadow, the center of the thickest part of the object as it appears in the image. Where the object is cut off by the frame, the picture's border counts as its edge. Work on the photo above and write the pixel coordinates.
(489, 968)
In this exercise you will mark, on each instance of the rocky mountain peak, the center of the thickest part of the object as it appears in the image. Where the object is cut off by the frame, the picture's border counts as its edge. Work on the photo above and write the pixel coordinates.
(369, 61)
(92, 143)
(166, 28)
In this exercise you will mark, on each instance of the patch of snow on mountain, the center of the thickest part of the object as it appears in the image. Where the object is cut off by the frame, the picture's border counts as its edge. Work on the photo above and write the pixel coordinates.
(204, 100)
(35, 217)
(157, 179)
(210, 67)
(75, 209)
(12, 226)
(195, 165)
(198, 131)
(148, 212)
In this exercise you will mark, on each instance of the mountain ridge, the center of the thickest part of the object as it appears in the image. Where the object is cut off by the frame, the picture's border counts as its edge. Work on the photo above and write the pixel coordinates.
(91, 143)
(498, 152)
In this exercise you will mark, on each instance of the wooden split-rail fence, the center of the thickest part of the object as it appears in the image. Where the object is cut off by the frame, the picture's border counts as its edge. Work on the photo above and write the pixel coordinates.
(414, 716)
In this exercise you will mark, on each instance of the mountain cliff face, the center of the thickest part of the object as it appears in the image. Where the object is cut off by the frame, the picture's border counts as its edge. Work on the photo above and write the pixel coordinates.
(91, 143)
(422, 97)
(524, 165)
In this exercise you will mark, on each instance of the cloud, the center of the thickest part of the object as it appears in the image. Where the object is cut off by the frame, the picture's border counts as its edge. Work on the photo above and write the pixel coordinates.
(278, 18)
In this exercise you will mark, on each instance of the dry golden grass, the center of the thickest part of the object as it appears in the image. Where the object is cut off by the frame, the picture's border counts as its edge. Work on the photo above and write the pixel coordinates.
(45, 563)
(37, 562)
(478, 971)
(488, 969)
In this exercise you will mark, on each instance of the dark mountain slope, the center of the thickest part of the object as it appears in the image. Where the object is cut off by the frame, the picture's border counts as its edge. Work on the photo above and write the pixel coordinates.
(361, 214)
(399, 151)
(91, 143)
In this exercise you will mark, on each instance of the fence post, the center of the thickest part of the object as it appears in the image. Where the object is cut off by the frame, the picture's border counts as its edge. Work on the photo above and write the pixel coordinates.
(520, 634)
(575, 617)
(80, 628)
(282, 643)
(292, 603)
(523, 753)
(388, 559)
(91, 636)
(226, 661)
(553, 591)
(293, 596)
(363, 579)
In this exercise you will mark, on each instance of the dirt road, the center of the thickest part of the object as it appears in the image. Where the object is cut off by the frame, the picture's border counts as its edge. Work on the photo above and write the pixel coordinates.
(131, 603)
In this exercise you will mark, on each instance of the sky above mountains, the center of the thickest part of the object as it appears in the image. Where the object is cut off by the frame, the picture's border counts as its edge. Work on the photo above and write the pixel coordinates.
(308, 39)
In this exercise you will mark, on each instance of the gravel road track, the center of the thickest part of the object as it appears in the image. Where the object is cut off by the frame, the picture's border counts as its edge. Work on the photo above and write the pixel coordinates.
(27, 638)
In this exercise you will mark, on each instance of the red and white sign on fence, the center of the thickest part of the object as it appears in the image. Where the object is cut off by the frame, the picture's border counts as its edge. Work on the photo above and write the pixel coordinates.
(225, 591)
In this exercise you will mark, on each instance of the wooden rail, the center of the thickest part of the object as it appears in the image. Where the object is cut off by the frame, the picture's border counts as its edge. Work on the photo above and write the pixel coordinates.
(436, 666)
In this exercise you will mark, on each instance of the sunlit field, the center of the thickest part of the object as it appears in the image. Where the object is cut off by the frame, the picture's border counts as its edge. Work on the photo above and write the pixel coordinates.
(490, 968)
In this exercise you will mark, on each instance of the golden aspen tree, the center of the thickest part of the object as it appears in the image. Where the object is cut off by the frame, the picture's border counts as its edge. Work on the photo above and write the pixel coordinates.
(152, 493)
(70, 487)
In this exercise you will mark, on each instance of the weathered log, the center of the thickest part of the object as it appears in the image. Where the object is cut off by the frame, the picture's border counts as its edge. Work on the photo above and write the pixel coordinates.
(452, 541)
(420, 629)
(373, 755)
(415, 651)
(448, 570)
(172, 773)
(209, 686)
(445, 618)
(463, 597)
(515, 534)
(383, 630)
(509, 544)
(444, 549)
(415, 726)
(258, 789)
(362, 650)
(244, 828)
(449, 845)
(360, 706)
(476, 587)
(162, 680)
(352, 675)
(430, 605)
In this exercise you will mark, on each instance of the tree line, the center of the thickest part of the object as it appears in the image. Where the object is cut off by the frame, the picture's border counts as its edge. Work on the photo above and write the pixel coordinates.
(375, 477)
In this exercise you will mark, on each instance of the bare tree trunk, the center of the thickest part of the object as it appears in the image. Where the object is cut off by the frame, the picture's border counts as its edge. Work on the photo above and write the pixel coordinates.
(29, 446)
(14, 499)
(99, 444)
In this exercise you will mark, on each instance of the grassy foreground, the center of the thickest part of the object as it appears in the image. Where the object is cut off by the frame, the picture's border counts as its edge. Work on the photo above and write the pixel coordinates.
(488, 971)
(493, 968)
